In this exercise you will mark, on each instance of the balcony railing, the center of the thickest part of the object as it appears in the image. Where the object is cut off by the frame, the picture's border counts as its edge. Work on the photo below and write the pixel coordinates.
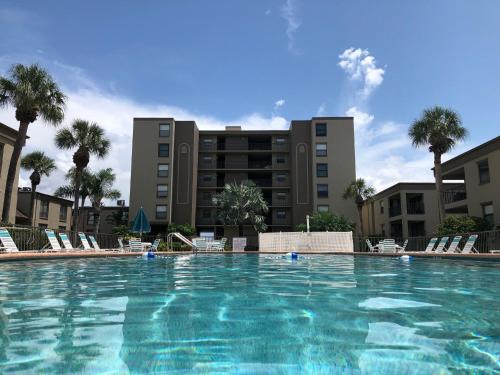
(452, 196)
(243, 146)
(415, 208)
(394, 211)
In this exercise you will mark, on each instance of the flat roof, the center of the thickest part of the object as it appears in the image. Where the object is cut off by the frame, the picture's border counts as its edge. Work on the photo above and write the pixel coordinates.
(49, 196)
(411, 185)
(474, 153)
(7, 130)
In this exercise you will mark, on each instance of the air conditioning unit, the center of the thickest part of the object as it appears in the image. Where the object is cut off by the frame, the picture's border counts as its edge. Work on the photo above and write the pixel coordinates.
(26, 189)
(120, 203)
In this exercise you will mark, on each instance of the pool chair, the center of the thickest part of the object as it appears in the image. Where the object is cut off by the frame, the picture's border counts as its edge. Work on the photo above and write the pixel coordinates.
(431, 244)
(94, 243)
(154, 246)
(387, 246)
(8, 244)
(135, 244)
(441, 245)
(401, 249)
(200, 244)
(218, 245)
(66, 242)
(469, 245)
(453, 248)
(121, 246)
(54, 243)
(84, 241)
(370, 246)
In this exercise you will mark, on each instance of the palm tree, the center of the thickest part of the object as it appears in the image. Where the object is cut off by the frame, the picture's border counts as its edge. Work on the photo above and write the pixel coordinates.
(439, 129)
(359, 191)
(40, 164)
(101, 187)
(32, 92)
(240, 204)
(87, 138)
(68, 191)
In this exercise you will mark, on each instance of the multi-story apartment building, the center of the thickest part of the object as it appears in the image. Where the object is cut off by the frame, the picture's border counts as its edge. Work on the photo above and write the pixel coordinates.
(406, 209)
(479, 168)
(7, 138)
(177, 169)
(49, 211)
(111, 217)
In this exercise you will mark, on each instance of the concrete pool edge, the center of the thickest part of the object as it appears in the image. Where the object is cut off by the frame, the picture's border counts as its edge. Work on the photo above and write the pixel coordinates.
(26, 255)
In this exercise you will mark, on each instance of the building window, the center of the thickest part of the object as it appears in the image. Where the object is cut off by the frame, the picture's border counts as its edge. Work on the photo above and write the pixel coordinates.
(323, 208)
(488, 213)
(163, 150)
(381, 207)
(484, 172)
(322, 191)
(161, 211)
(280, 214)
(281, 196)
(63, 213)
(162, 170)
(280, 141)
(280, 159)
(321, 170)
(321, 130)
(206, 214)
(281, 177)
(207, 178)
(161, 191)
(41, 225)
(321, 149)
(44, 209)
(207, 141)
(90, 218)
(164, 130)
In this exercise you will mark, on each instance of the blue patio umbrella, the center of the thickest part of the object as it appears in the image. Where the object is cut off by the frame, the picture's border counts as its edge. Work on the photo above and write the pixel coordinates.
(141, 223)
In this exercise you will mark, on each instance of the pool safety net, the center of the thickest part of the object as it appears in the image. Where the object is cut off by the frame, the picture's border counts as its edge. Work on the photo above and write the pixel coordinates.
(313, 242)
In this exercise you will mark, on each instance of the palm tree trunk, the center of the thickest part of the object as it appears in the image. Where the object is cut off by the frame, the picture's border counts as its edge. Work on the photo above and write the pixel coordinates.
(98, 222)
(32, 204)
(439, 185)
(360, 214)
(78, 182)
(11, 174)
(240, 230)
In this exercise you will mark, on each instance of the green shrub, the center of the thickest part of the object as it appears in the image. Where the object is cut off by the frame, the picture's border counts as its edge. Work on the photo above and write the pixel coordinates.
(326, 221)
(462, 224)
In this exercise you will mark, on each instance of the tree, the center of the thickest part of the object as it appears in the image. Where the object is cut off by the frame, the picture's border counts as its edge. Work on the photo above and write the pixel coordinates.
(359, 191)
(88, 139)
(326, 221)
(185, 229)
(439, 129)
(68, 191)
(32, 92)
(240, 204)
(462, 224)
(41, 165)
(101, 187)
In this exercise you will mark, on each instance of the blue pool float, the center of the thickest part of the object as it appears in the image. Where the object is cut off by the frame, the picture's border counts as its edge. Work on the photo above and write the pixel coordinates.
(148, 254)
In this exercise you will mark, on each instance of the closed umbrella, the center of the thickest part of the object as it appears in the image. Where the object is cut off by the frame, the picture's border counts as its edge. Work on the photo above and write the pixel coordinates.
(141, 223)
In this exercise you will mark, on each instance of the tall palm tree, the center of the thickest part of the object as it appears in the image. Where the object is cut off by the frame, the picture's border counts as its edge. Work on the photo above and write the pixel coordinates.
(439, 129)
(101, 187)
(68, 191)
(40, 164)
(359, 191)
(88, 139)
(240, 204)
(32, 92)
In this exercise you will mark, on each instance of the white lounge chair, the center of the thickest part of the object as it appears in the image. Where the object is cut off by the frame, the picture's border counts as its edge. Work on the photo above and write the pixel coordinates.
(156, 243)
(431, 244)
(95, 245)
(218, 245)
(454, 244)
(469, 245)
(66, 242)
(8, 244)
(370, 246)
(135, 244)
(441, 245)
(200, 244)
(121, 246)
(401, 249)
(387, 246)
(84, 241)
(54, 243)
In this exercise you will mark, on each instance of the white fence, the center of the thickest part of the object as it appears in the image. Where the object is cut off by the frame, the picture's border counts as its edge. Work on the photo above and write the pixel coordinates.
(313, 242)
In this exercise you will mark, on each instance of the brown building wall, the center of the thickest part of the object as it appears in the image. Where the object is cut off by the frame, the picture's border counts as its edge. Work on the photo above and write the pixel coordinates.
(7, 139)
(53, 219)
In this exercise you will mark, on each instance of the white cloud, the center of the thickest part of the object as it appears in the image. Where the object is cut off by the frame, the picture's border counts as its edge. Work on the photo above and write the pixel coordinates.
(289, 13)
(361, 66)
(268, 12)
(278, 104)
(115, 114)
(321, 110)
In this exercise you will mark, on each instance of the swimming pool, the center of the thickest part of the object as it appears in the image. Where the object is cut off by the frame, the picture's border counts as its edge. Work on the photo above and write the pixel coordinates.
(249, 314)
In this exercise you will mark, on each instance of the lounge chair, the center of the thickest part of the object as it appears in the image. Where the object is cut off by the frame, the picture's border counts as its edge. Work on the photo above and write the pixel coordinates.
(454, 244)
(401, 249)
(431, 244)
(95, 245)
(387, 246)
(200, 244)
(54, 243)
(66, 242)
(469, 245)
(135, 244)
(370, 246)
(218, 245)
(84, 241)
(154, 246)
(8, 244)
(441, 245)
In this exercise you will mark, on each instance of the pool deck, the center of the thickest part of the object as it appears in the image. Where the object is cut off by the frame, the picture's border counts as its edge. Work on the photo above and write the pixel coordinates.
(31, 255)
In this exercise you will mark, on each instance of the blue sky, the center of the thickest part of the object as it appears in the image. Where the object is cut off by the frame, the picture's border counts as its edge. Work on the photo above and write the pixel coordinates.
(261, 64)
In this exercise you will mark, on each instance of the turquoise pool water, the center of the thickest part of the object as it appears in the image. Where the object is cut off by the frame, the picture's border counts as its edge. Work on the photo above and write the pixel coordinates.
(250, 314)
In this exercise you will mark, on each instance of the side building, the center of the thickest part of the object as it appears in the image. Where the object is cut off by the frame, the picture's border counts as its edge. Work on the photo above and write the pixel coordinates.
(49, 211)
(111, 217)
(177, 169)
(7, 138)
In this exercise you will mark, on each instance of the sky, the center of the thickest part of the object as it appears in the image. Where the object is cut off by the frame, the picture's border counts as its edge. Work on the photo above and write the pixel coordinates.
(261, 64)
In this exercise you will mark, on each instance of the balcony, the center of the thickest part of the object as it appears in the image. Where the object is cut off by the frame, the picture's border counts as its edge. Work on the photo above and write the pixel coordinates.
(395, 205)
(452, 196)
(415, 208)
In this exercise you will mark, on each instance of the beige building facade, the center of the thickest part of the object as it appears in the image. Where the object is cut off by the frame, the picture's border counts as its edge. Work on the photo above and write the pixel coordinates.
(49, 211)
(111, 217)
(177, 169)
(7, 139)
